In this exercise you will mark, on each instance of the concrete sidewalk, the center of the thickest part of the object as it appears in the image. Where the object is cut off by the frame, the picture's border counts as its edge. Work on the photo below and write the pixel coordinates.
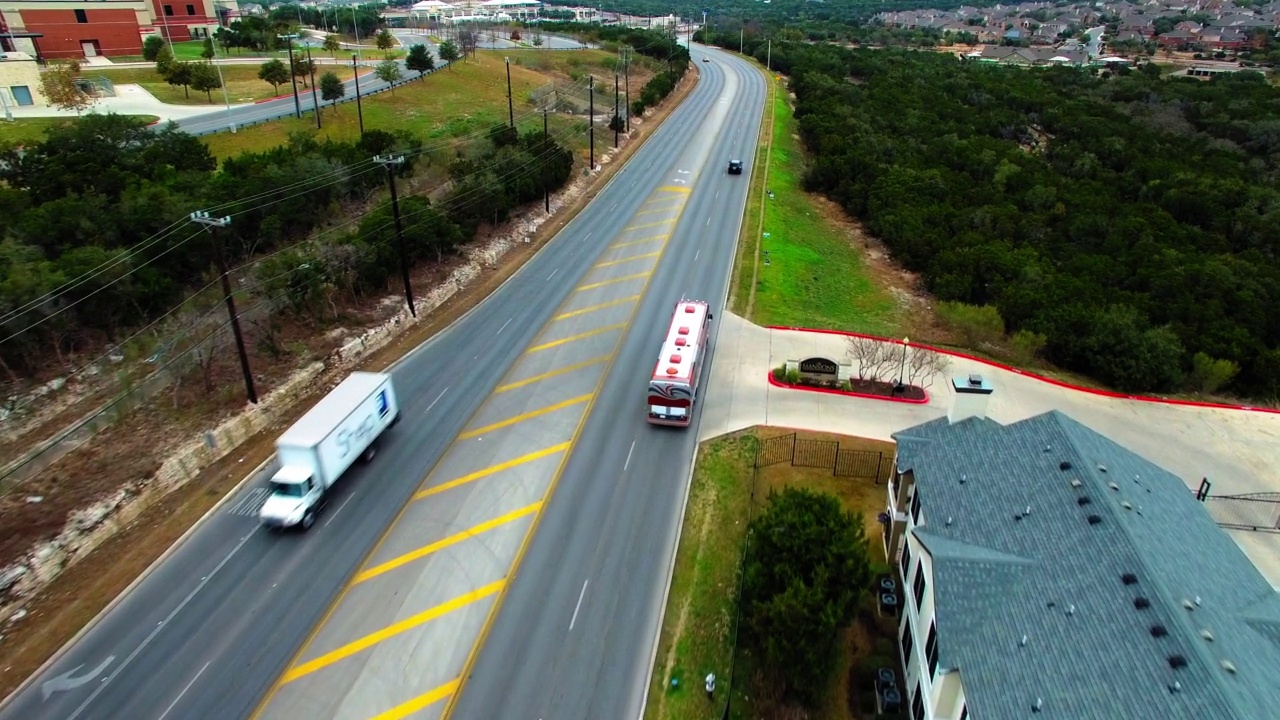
(129, 100)
(1237, 450)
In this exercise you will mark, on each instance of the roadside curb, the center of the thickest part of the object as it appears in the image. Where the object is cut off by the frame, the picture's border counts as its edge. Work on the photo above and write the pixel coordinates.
(1041, 378)
(119, 598)
(848, 393)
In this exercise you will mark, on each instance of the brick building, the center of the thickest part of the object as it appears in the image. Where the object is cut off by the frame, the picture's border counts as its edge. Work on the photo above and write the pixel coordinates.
(89, 28)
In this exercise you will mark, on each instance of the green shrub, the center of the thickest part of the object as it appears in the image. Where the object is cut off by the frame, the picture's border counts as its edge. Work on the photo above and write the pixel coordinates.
(977, 324)
(1208, 374)
(1026, 345)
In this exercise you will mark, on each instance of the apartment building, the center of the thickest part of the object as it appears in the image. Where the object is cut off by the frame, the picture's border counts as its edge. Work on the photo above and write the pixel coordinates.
(1049, 572)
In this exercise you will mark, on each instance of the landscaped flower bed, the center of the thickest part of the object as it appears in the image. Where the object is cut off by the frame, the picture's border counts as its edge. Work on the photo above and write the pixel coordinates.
(854, 387)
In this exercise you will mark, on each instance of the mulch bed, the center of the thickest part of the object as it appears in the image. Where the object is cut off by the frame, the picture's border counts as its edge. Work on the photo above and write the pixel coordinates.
(874, 389)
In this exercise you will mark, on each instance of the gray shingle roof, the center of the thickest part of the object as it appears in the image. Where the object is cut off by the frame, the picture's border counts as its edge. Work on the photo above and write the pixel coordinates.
(1054, 577)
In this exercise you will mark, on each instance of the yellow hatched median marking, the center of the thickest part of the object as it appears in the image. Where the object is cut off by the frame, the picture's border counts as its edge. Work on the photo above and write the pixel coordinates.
(403, 711)
(641, 241)
(676, 206)
(648, 225)
(551, 374)
(439, 545)
(614, 281)
(391, 631)
(525, 416)
(573, 338)
(674, 189)
(492, 469)
(593, 308)
(633, 258)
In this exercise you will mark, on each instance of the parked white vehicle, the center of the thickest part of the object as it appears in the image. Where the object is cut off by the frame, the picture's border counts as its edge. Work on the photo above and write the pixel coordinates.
(319, 448)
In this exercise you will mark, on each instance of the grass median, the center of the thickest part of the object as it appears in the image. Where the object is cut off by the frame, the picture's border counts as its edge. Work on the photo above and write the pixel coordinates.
(699, 622)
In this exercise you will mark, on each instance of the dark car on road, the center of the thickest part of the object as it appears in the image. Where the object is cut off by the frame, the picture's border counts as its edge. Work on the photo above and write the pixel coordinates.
(735, 167)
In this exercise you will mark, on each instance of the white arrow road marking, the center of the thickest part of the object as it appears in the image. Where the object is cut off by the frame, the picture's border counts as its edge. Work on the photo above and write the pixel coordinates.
(66, 681)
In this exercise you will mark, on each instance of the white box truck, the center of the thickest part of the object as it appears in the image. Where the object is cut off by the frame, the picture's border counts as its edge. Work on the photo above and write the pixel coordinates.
(317, 449)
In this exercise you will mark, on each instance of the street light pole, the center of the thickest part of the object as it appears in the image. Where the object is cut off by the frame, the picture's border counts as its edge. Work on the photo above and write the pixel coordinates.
(591, 85)
(902, 368)
(626, 69)
(359, 108)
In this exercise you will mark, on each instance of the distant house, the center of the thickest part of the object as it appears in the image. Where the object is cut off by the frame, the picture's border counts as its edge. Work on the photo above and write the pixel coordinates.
(1008, 55)
(1178, 40)
(1047, 571)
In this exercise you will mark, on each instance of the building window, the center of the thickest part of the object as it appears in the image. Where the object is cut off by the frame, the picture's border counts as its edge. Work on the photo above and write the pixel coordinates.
(82, 17)
(907, 641)
(918, 586)
(906, 560)
(931, 650)
(915, 507)
(168, 10)
(191, 9)
(917, 704)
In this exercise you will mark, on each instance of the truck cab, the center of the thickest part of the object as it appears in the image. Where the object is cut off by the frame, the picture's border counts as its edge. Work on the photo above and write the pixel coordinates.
(294, 500)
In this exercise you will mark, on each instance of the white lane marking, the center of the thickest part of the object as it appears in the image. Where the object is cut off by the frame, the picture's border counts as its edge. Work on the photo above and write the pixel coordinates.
(160, 626)
(553, 274)
(433, 402)
(504, 327)
(578, 607)
(584, 239)
(695, 255)
(633, 449)
(334, 514)
(165, 714)
(708, 222)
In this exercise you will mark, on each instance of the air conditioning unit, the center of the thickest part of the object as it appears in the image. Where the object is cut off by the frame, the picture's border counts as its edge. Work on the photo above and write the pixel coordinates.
(888, 584)
(888, 697)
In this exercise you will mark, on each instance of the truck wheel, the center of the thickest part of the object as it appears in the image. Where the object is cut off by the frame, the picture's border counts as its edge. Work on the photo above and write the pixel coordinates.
(369, 452)
(308, 519)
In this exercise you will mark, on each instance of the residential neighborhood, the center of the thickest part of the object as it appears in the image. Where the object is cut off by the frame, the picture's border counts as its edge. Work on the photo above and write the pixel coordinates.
(1043, 33)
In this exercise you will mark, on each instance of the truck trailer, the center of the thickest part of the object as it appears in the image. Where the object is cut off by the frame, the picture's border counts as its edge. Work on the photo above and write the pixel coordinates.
(323, 444)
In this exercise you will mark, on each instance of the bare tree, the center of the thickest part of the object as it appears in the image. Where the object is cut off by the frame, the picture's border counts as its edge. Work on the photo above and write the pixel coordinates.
(925, 366)
(862, 353)
(885, 362)
(468, 41)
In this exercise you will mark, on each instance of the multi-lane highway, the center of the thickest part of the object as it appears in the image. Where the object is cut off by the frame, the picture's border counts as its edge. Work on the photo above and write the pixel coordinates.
(527, 412)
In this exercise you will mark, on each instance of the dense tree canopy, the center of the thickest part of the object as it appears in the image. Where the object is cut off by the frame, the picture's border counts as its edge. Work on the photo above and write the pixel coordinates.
(94, 236)
(1133, 220)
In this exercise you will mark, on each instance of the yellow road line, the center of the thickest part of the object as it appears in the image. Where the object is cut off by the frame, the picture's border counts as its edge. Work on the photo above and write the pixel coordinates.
(633, 258)
(573, 338)
(391, 631)
(439, 545)
(551, 374)
(641, 241)
(525, 416)
(486, 472)
(405, 710)
(447, 714)
(593, 308)
(648, 225)
(674, 189)
(602, 283)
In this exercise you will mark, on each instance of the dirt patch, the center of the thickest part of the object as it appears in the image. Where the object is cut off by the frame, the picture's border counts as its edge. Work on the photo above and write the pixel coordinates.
(83, 588)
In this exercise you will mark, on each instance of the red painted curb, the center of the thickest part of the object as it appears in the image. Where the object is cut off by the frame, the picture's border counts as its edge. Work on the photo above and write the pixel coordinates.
(1041, 378)
(847, 393)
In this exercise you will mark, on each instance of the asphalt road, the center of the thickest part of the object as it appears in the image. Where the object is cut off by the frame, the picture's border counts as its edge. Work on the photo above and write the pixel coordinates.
(206, 634)
(601, 557)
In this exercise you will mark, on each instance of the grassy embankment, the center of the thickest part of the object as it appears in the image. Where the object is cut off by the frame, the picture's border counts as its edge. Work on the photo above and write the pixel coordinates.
(25, 130)
(698, 626)
(816, 277)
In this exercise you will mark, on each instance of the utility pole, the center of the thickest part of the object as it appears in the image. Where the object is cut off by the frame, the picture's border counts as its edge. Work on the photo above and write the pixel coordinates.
(315, 95)
(591, 85)
(391, 163)
(740, 45)
(546, 187)
(359, 109)
(297, 104)
(617, 124)
(768, 56)
(212, 224)
(511, 108)
(626, 68)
